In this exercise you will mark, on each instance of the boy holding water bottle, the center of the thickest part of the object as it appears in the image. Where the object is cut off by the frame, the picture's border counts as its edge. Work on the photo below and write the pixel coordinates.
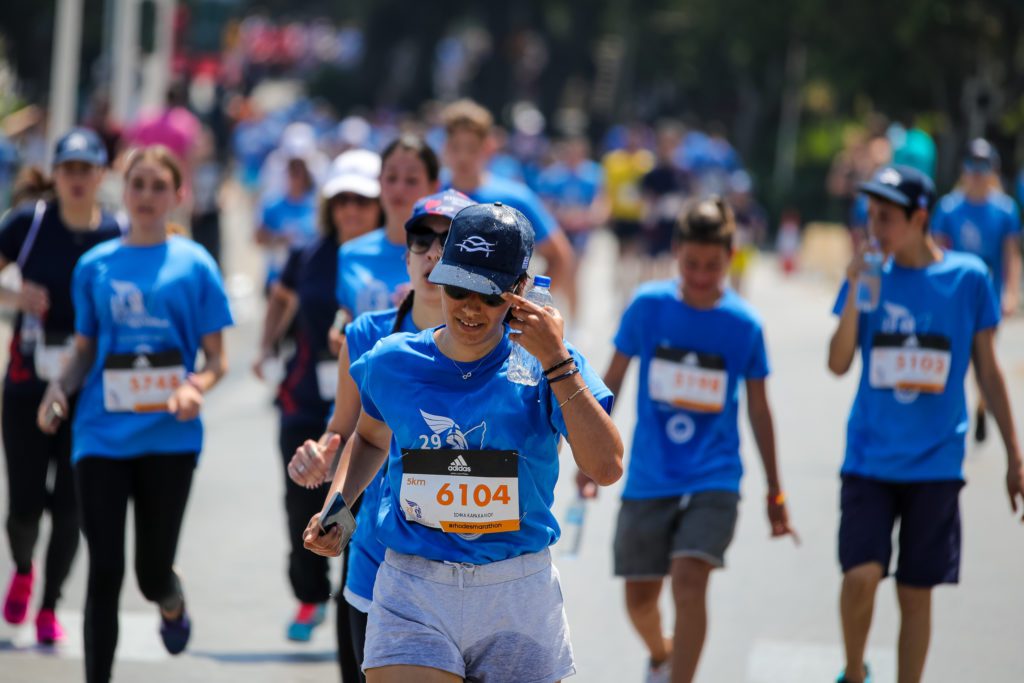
(697, 342)
(918, 322)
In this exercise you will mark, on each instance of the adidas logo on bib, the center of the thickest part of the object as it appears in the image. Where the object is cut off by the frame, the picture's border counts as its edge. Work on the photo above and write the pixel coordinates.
(459, 464)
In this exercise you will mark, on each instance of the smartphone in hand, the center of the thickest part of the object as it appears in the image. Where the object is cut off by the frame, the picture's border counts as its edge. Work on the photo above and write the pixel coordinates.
(337, 514)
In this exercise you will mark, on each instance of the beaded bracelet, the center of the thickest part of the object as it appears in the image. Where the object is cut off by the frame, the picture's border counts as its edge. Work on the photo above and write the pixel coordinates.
(559, 364)
(574, 371)
(578, 392)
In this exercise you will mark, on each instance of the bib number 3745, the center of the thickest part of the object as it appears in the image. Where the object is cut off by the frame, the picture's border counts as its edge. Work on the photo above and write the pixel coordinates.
(457, 491)
(141, 382)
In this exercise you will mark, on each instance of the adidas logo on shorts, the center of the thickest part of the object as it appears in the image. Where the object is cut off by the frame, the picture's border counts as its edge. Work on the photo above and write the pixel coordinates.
(459, 464)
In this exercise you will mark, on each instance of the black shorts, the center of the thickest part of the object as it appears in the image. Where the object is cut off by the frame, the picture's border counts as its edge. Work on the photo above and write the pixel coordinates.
(929, 528)
(626, 231)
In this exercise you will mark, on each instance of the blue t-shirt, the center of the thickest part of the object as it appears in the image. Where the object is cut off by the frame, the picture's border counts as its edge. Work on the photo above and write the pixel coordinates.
(365, 552)
(310, 273)
(517, 195)
(296, 220)
(566, 187)
(685, 442)
(902, 434)
(979, 228)
(142, 299)
(371, 274)
(409, 384)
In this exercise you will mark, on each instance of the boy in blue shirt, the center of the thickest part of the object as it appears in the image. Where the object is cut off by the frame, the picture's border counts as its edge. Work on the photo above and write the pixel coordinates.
(936, 312)
(978, 218)
(697, 342)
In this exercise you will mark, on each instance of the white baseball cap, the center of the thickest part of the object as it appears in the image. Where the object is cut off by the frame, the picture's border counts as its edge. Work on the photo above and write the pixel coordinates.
(356, 171)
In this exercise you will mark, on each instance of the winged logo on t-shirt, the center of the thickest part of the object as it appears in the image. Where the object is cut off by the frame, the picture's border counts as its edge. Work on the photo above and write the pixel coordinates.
(451, 432)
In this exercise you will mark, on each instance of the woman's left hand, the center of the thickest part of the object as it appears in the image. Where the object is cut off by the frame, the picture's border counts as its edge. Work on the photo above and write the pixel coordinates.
(541, 329)
(185, 402)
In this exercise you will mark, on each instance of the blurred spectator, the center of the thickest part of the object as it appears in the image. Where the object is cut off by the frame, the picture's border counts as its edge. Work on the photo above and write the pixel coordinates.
(624, 170)
(298, 141)
(665, 189)
(289, 218)
(207, 175)
(751, 226)
(174, 127)
(573, 188)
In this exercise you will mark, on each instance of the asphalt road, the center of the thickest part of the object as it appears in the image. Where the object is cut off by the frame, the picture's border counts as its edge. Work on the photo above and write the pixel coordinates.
(773, 610)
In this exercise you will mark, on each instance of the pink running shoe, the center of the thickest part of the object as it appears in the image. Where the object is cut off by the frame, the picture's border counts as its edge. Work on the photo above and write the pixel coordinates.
(48, 629)
(18, 595)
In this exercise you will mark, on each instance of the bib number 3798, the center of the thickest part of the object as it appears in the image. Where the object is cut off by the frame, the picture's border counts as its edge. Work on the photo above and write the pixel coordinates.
(457, 491)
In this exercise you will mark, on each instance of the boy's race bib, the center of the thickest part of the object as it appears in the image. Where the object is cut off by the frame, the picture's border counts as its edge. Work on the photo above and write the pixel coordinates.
(688, 379)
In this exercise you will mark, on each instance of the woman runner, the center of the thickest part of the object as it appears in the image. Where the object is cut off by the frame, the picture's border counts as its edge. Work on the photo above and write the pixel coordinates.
(426, 232)
(46, 239)
(144, 307)
(467, 589)
(304, 295)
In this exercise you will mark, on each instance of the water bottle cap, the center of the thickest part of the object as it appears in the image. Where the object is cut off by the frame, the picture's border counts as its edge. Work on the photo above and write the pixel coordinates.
(541, 281)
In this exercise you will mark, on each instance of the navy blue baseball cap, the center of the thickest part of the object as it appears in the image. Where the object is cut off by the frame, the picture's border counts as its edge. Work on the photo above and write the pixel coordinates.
(901, 185)
(982, 157)
(488, 249)
(446, 204)
(80, 144)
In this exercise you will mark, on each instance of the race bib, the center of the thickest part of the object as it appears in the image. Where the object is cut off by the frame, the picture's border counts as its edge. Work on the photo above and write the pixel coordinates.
(141, 382)
(910, 362)
(457, 491)
(687, 379)
(327, 378)
(52, 357)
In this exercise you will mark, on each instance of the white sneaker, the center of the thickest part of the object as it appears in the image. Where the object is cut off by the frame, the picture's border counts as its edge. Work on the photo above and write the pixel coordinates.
(659, 674)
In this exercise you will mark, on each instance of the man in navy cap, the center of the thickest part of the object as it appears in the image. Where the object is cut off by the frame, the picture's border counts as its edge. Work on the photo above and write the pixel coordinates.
(936, 313)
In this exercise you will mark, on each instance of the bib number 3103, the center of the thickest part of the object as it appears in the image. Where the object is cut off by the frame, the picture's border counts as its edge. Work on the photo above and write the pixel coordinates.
(910, 363)
(457, 491)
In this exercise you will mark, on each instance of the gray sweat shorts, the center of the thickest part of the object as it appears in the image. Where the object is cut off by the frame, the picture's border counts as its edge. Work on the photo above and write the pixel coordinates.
(501, 622)
(652, 532)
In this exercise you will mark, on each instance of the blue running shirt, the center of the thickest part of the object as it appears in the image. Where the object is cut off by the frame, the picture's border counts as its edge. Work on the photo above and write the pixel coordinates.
(517, 195)
(142, 300)
(692, 363)
(365, 552)
(371, 274)
(409, 384)
(979, 229)
(909, 418)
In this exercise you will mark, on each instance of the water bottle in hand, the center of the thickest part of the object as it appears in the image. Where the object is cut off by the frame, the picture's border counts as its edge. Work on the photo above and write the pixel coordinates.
(523, 368)
(31, 333)
(869, 285)
(572, 533)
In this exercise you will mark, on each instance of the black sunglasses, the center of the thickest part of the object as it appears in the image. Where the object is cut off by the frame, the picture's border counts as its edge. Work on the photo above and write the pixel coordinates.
(420, 241)
(460, 293)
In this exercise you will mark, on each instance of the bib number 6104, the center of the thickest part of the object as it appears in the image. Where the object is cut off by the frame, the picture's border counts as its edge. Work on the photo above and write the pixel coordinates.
(482, 495)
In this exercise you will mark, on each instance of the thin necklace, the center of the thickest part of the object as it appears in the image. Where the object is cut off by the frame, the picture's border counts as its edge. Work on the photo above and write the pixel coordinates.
(466, 374)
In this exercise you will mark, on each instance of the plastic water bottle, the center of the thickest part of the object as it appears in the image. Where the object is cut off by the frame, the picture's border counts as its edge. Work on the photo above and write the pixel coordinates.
(572, 533)
(31, 333)
(523, 368)
(869, 285)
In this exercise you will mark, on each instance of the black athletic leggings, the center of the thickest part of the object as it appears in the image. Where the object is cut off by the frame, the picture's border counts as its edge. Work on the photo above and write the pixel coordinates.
(308, 573)
(158, 486)
(31, 456)
(357, 629)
